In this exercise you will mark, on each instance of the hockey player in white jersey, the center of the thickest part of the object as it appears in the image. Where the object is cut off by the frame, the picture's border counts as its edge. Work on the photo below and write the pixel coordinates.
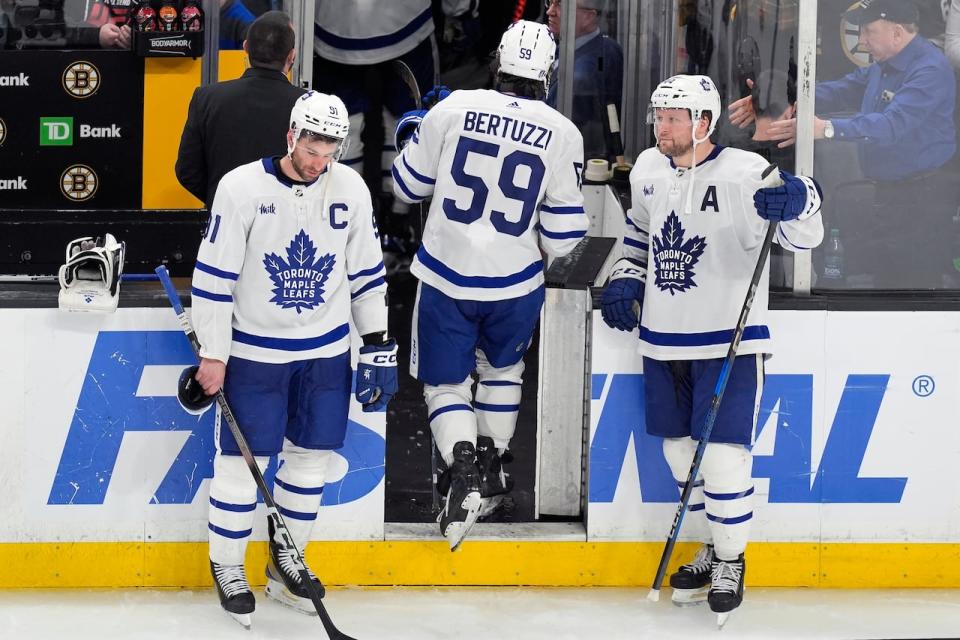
(693, 238)
(503, 169)
(290, 256)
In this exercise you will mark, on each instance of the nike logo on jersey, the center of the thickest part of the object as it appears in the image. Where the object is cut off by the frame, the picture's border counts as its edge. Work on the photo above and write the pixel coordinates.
(674, 258)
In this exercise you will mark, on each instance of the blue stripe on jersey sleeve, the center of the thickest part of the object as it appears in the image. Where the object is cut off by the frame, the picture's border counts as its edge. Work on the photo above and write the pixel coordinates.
(216, 297)
(377, 42)
(553, 235)
(561, 210)
(213, 271)
(370, 285)
(404, 187)
(479, 282)
(416, 174)
(705, 339)
(292, 344)
(366, 272)
(630, 242)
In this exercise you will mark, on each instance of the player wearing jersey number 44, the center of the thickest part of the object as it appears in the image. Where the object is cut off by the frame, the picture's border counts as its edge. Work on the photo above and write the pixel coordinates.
(503, 169)
(291, 255)
(693, 238)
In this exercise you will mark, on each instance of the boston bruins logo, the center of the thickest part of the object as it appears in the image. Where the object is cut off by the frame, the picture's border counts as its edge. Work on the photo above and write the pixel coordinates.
(850, 41)
(3, 131)
(78, 183)
(81, 79)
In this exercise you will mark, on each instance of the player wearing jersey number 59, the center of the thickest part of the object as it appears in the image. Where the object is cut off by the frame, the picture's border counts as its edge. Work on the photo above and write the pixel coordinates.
(504, 170)
(693, 238)
(291, 255)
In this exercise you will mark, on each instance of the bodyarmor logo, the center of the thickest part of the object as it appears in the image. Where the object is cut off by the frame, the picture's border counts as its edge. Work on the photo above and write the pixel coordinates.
(78, 183)
(3, 131)
(675, 259)
(298, 280)
(19, 80)
(16, 184)
(81, 79)
(267, 209)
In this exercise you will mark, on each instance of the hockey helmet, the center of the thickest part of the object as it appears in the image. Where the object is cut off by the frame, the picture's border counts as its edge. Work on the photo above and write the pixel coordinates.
(321, 114)
(527, 50)
(90, 276)
(190, 394)
(697, 94)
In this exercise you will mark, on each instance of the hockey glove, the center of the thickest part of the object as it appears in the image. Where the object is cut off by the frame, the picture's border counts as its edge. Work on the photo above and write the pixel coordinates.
(623, 297)
(407, 126)
(377, 375)
(435, 95)
(783, 203)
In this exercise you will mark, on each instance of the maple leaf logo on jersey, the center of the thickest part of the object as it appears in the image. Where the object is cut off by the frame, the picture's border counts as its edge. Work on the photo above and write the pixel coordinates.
(298, 280)
(675, 259)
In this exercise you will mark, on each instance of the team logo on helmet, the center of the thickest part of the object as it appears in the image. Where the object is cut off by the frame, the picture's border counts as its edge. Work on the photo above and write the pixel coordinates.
(78, 183)
(3, 131)
(81, 79)
(674, 258)
(299, 279)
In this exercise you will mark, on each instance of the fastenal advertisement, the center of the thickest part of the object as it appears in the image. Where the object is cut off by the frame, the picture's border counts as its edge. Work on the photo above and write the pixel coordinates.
(105, 453)
(856, 433)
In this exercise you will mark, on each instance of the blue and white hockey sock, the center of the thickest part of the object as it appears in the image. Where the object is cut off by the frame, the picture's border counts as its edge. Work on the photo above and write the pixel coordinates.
(679, 454)
(728, 489)
(298, 489)
(498, 400)
(233, 500)
(450, 414)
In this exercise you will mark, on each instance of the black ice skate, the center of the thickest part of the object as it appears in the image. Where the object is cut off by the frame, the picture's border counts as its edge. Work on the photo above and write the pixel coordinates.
(726, 594)
(463, 496)
(692, 581)
(495, 483)
(236, 598)
(283, 578)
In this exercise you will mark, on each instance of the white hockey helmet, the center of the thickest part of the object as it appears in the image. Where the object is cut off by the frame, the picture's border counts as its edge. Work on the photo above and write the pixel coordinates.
(321, 114)
(527, 50)
(696, 94)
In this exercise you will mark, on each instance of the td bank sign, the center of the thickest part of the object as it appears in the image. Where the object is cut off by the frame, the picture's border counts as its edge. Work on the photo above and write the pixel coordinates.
(60, 131)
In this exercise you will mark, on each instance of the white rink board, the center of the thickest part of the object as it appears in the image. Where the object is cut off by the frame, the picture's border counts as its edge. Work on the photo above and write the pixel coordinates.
(99, 450)
(859, 442)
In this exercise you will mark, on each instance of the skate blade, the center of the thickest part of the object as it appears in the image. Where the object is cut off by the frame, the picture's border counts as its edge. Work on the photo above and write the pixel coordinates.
(243, 619)
(722, 619)
(489, 505)
(276, 590)
(689, 597)
(457, 531)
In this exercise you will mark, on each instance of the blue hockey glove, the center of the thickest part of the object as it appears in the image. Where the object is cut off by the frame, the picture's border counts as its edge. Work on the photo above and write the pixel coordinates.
(407, 126)
(435, 95)
(377, 375)
(783, 203)
(623, 297)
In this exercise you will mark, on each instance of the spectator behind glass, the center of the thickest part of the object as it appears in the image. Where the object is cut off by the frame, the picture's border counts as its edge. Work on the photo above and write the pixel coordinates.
(951, 43)
(110, 18)
(903, 124)
(597, 74)
(238, 121)
(235, 20)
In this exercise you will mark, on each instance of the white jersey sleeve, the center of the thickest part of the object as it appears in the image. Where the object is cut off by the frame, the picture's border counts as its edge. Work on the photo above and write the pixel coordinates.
(365, 269)
(504, 176)
(636, 236)
(219, 261)
(370, 31)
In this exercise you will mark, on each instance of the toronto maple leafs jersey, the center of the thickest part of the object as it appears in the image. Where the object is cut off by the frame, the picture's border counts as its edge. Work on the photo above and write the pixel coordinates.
(283, 266)
(699, 265)
(370, 31)
(504, 173)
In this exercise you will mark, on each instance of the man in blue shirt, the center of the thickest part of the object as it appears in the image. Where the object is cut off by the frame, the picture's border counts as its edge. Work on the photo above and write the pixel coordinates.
(903, 121)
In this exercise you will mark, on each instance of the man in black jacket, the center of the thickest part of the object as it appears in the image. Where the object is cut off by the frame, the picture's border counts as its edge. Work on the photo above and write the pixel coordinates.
(238, 121)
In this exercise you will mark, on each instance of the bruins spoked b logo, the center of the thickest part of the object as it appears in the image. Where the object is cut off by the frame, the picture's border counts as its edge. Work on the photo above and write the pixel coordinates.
(78, 183)
(3, 131)
(81, 79)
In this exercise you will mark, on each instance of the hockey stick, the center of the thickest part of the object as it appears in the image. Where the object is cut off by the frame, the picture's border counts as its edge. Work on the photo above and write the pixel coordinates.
(279, 525)
(722, 379)
(410, 80)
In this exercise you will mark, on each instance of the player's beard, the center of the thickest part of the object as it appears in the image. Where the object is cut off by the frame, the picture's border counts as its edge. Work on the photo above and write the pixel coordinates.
(673, 148)
(301, 171)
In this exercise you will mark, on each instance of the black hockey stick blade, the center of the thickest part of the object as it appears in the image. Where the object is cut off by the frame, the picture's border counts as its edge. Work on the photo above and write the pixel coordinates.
(227, 414)
(410, 80)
